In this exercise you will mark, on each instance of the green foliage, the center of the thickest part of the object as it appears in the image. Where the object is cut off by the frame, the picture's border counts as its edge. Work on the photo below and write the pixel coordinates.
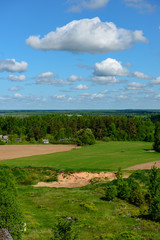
(153, 181)
(88, 206)
(156, 145)
(154, 209)
(106, 139)
(128, 236)
(64, 229)
(10, 213)
(86, 137)
(1, 142)
(111, 192)
(136, 194)
(123, 190)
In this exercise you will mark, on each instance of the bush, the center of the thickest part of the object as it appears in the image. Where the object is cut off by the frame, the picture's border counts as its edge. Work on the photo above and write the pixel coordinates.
(64, 229)
(136, 194)
(85, 136)
(10, 213)
(154, 209)
(106, 139)
(1, 142)
(123, 191)
(111, 192)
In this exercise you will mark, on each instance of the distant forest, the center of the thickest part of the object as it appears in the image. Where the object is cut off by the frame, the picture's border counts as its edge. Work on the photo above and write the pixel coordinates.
(60, 126)
(128, 112)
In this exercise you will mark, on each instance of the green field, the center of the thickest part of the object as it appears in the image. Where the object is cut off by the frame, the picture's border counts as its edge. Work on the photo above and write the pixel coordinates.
(99, 157)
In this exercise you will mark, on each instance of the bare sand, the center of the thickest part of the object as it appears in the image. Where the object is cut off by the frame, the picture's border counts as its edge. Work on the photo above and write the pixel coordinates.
(78, 179)
(18, 151)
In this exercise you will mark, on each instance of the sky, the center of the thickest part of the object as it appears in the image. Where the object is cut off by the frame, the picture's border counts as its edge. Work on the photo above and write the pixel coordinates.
(79, 54)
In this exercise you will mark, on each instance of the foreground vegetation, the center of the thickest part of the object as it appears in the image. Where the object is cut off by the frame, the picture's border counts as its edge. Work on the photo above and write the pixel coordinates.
(99, 157)
(94, 217)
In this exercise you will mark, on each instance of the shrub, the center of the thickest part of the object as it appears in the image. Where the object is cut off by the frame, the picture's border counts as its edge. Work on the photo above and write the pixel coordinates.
(10, 213)
(154, 209)
(123, 191)
(111, 192)
(86, 137)
(136, 194)
(1, 142)
(65, 229)
(106, 139)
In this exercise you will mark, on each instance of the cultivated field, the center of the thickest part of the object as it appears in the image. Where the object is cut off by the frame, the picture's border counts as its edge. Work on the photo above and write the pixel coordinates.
(18, 151)
(99, 157)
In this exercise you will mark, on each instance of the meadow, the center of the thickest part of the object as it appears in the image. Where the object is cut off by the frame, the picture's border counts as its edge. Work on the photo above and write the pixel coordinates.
(96, 218)
(99, 157)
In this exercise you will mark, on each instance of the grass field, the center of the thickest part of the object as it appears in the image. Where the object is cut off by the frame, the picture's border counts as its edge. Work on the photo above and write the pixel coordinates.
(97, 219)
(99, 157)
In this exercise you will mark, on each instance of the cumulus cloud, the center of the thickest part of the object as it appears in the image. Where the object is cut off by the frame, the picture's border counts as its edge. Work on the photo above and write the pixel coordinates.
(135, 86)
(74, 78)
(88, 35)
(81, 87)
(155, 81)
(102, 80)
(47, 75)
(10, 65)
(141, 75)
(13, 89)
(90, 4)
(48, 78)
(142, 5)
(112, 67)
(18, 95)
(97, 95)
(15, 78)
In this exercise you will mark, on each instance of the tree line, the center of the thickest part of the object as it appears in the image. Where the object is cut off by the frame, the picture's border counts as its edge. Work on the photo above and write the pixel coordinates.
(57, 127)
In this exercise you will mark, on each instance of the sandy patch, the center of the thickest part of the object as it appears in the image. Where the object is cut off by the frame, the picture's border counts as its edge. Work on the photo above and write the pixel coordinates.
(79, 179)
(17, 151)
(144, 166)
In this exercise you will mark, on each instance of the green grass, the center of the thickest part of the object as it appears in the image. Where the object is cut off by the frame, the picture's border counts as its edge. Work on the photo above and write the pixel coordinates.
(99, 157)
(42, 206)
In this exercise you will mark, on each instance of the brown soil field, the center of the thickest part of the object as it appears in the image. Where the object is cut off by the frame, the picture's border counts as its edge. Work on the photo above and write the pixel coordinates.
(79, 179)
(17, 151)
(144, 166)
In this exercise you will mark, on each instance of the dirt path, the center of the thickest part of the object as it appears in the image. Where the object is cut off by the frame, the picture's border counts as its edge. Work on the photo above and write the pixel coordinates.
(78, 179)
(17, 151)
(144, 166)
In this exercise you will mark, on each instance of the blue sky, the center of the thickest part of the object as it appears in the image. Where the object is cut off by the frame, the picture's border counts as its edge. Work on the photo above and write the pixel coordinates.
(79, 54)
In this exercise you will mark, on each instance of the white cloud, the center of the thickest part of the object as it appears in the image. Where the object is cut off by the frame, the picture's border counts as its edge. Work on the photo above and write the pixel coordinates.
(18, 95)
(97, 95)
(88, 35)
(10, 65)
(142, 5)
(74, 78)
(47, 75)
(90, 4)
(102, 80)
(141, 75)
(15, 89)
(135, 86)
(60, 96)
(155, 81)
(48, 78)
(14, 78)
(51, 82)
(81, 87)
(110, 67)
